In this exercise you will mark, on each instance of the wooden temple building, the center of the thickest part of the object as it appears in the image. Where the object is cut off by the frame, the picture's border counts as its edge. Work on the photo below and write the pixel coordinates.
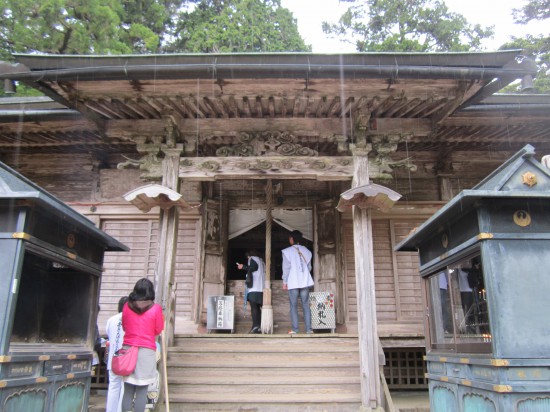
(242, 144)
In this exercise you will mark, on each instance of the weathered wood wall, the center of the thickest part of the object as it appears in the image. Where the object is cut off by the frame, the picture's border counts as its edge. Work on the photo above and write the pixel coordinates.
(69, 178)
(98, 192)
(123, 269)
(398, 287)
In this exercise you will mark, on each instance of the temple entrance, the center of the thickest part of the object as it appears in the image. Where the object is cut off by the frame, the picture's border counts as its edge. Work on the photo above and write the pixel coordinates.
(234, 221)
(255, 238)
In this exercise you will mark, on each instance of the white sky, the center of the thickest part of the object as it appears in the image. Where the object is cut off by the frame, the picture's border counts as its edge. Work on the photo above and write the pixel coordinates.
(311, 13)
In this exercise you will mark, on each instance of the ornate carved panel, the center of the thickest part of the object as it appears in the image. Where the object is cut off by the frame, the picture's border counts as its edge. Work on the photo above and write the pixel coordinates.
(268, 143)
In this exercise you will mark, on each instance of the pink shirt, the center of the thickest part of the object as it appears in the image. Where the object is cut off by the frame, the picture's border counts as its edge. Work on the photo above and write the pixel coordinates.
(141, 329)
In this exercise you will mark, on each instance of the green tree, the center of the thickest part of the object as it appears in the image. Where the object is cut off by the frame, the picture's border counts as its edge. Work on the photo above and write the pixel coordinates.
(535, 46)
(236, 26)
(406, 26)
(533, 10)
(83, 26)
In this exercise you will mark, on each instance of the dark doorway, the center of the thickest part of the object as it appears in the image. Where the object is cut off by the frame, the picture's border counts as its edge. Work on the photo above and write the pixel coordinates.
(255, 239)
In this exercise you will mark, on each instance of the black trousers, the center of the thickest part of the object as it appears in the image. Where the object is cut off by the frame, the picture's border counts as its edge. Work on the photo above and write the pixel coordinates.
(256, 311)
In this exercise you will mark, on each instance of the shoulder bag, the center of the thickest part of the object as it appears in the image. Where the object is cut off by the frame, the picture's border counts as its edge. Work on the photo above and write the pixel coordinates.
(124, 361)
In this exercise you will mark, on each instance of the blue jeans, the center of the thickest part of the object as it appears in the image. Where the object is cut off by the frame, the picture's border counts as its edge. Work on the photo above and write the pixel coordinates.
(293, 298)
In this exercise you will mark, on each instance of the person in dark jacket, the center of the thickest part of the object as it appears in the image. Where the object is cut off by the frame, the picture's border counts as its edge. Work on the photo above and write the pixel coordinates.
(255, 275)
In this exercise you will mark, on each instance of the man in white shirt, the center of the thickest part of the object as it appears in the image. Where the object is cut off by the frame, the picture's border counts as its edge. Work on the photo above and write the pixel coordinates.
(115, 335)
(297, 279)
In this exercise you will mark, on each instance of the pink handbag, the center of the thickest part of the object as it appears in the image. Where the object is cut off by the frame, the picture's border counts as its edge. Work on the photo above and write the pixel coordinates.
(124, 361)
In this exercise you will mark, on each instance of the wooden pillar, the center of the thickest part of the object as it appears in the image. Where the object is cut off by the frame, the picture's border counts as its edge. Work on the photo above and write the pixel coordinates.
(366, 300)
(267, 308)
(445, 187)
(444, 171)
(168, 230)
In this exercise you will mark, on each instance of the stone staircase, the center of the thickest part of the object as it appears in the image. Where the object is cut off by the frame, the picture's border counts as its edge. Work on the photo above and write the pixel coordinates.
(225, 372)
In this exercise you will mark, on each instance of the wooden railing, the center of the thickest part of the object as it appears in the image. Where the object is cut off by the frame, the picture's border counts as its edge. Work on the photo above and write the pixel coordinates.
(386, 401)
(167, 340)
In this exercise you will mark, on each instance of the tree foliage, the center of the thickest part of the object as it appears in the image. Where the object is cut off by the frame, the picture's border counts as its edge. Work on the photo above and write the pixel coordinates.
(83, 26)
(533, 10)
(146, 26)
(237, 26)
(406, 26)
(535, 46)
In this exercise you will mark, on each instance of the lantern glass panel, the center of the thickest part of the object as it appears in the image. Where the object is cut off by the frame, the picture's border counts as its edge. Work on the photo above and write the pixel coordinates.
(55, 303)
(459, 319)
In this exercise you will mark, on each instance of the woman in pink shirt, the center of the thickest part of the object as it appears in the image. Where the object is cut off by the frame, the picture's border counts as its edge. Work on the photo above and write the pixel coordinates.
(142, 321)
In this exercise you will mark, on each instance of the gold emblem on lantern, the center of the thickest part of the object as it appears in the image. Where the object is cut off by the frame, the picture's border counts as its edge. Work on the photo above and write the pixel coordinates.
(522, 218)
(529, 179)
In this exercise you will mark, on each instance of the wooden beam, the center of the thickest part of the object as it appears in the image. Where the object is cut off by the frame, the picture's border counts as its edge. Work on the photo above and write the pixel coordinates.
(452, 105)
(418, 127)
(128, 127)
(214, 168)
(498, 119)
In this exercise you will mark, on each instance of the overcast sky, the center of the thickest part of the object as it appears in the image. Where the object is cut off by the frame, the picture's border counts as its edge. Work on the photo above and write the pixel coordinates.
(311, 13)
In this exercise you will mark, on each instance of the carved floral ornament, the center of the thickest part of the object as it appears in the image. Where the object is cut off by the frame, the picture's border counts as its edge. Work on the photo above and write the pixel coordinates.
(265, 144)
(273, 152)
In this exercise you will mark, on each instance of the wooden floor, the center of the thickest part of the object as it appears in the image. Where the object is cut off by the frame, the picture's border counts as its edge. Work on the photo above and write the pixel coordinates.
(243, 327)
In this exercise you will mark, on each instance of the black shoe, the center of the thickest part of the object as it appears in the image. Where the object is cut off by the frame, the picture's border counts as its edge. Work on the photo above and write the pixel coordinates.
(255, 329)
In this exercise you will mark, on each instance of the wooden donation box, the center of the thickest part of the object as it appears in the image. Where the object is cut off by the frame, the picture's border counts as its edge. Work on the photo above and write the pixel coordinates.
(485, 261)
(51, 259)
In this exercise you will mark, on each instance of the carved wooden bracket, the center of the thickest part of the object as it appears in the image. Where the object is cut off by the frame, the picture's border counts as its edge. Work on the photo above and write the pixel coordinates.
(383, 146)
